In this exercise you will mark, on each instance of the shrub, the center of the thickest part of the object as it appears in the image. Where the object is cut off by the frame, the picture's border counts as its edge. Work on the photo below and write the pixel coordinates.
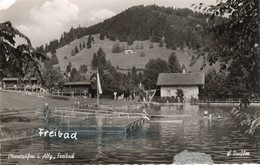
(142, 54)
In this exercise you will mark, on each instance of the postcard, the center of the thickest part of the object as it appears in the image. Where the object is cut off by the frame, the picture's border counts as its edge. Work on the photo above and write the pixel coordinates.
(129, 82)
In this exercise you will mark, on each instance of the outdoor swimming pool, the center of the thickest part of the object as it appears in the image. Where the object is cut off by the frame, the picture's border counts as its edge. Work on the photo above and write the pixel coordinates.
(156, 141)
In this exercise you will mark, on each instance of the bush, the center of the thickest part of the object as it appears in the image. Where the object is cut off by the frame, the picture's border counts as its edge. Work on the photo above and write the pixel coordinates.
(180, 95)
(142, 54)
(116, 48)
(72, 53)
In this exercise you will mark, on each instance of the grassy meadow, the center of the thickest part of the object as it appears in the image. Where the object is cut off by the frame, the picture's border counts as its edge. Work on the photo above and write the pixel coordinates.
(118, 59)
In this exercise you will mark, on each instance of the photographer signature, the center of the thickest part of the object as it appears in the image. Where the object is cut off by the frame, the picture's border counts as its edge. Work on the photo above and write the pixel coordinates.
(238, 153)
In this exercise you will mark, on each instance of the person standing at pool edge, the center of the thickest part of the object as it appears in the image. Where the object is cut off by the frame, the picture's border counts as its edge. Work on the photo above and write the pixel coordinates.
(46, 113)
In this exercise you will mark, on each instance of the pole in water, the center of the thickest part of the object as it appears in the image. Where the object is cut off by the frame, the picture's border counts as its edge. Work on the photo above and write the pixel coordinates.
(97, 89)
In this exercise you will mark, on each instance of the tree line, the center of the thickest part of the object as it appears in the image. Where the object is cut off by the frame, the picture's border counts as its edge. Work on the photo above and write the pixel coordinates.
(174, 27)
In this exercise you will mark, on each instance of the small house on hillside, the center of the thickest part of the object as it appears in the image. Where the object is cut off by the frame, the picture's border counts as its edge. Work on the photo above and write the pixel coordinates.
(189, 83)
(128, 52)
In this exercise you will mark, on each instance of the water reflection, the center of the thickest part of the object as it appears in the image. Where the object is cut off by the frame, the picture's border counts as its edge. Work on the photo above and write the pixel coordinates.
(153, 142)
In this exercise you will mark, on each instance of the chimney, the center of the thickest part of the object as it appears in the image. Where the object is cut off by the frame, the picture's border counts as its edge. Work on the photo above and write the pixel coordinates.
(183, 70)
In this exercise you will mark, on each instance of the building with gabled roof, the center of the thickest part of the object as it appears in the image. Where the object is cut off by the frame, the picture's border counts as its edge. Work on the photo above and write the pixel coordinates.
(15, 83)
(84, 87)
(190, 83)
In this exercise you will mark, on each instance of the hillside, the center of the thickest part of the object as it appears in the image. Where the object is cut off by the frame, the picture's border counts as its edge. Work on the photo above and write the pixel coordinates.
(138, 25)
(121, 60)
(174, 27)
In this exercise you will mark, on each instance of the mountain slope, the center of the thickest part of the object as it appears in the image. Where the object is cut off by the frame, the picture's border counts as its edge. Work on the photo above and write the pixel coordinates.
(119, 59)
(138, 25)
(173, 26)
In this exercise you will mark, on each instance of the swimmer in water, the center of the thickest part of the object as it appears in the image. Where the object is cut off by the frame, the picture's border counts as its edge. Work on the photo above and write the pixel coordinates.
(145, 115)
(205, 113)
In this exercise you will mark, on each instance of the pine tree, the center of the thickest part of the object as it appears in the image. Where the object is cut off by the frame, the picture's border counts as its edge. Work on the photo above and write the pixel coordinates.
(101, 36)
(89, 42)
(75, 75)
(54, 59)
(94, 62)
(80, 46)
(68, 69)
(134, 76)
(83, 45)
(130, 39)
(140, 77)
(76, 50)
(173, 64)
(101, 57)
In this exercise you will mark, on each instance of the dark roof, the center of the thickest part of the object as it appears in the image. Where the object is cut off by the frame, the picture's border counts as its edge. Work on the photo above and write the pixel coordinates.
(16, 79)
(174, 79)
(77, 83)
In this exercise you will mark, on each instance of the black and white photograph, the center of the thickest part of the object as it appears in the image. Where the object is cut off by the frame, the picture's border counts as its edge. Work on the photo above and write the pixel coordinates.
(129, 82)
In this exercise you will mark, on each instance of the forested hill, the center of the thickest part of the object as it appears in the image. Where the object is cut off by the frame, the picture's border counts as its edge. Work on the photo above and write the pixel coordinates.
(174, 27)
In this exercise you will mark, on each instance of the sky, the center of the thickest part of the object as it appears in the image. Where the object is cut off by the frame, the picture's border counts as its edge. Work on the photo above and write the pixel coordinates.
(45, 20)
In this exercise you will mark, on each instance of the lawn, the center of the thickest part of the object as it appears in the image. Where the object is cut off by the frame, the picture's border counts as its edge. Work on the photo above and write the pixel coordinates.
(18, 111)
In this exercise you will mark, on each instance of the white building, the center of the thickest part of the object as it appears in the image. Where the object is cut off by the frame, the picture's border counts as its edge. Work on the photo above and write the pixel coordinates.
(128, 52)
(188, 82)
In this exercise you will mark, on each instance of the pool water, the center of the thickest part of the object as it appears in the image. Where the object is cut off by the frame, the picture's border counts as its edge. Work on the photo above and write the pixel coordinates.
(156, 141)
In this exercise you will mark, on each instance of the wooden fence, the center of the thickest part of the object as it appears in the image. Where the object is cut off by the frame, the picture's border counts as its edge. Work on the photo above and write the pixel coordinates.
(20, 112)
(72, 111)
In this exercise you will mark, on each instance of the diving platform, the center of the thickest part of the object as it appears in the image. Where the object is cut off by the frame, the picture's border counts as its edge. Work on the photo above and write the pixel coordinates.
(117, 127)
